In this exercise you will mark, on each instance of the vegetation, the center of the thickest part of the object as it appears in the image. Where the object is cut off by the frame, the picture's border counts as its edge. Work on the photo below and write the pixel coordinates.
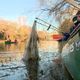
(12, 30)
(65, 27)
(2, 35)
(62, 11)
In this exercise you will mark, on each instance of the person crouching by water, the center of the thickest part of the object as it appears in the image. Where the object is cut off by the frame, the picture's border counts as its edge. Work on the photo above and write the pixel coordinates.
(76, 21)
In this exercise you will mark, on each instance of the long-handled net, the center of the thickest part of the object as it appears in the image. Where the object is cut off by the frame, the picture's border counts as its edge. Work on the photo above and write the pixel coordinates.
(31, 50)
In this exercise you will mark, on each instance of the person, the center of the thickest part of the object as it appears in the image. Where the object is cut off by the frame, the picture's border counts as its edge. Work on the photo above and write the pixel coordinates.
(76, 21)
(76, 18)
(65, 37)
(15, 41)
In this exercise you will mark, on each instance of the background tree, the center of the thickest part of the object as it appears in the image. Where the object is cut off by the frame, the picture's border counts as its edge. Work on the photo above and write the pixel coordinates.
(61, 9)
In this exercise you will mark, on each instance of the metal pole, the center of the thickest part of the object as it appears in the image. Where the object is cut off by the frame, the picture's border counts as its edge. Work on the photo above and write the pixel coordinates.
(47, 23)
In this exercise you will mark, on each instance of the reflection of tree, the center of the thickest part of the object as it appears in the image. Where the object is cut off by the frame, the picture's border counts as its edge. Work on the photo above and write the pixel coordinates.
(32, 67)
(2, 47)
(7, 47)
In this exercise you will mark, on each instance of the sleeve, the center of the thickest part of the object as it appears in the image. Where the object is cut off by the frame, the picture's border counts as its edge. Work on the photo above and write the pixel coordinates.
(78, 17)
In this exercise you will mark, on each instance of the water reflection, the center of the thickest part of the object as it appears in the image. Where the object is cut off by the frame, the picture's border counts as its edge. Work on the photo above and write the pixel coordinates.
(2, 47)
(48, 46)
(14, 52)
(11, 52)
(12, 47)
(32, 68)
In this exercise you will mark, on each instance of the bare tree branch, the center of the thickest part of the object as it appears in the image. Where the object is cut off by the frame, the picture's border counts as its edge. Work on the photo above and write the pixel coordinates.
(62, 8)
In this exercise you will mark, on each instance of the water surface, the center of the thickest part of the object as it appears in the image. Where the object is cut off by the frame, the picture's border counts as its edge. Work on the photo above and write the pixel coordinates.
(13, 68)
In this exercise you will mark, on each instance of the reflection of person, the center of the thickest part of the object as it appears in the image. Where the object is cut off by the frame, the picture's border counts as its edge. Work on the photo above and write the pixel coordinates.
(76, 21)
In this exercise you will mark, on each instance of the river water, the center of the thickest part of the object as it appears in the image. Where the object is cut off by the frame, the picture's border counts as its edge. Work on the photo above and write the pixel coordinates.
(13, 68)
